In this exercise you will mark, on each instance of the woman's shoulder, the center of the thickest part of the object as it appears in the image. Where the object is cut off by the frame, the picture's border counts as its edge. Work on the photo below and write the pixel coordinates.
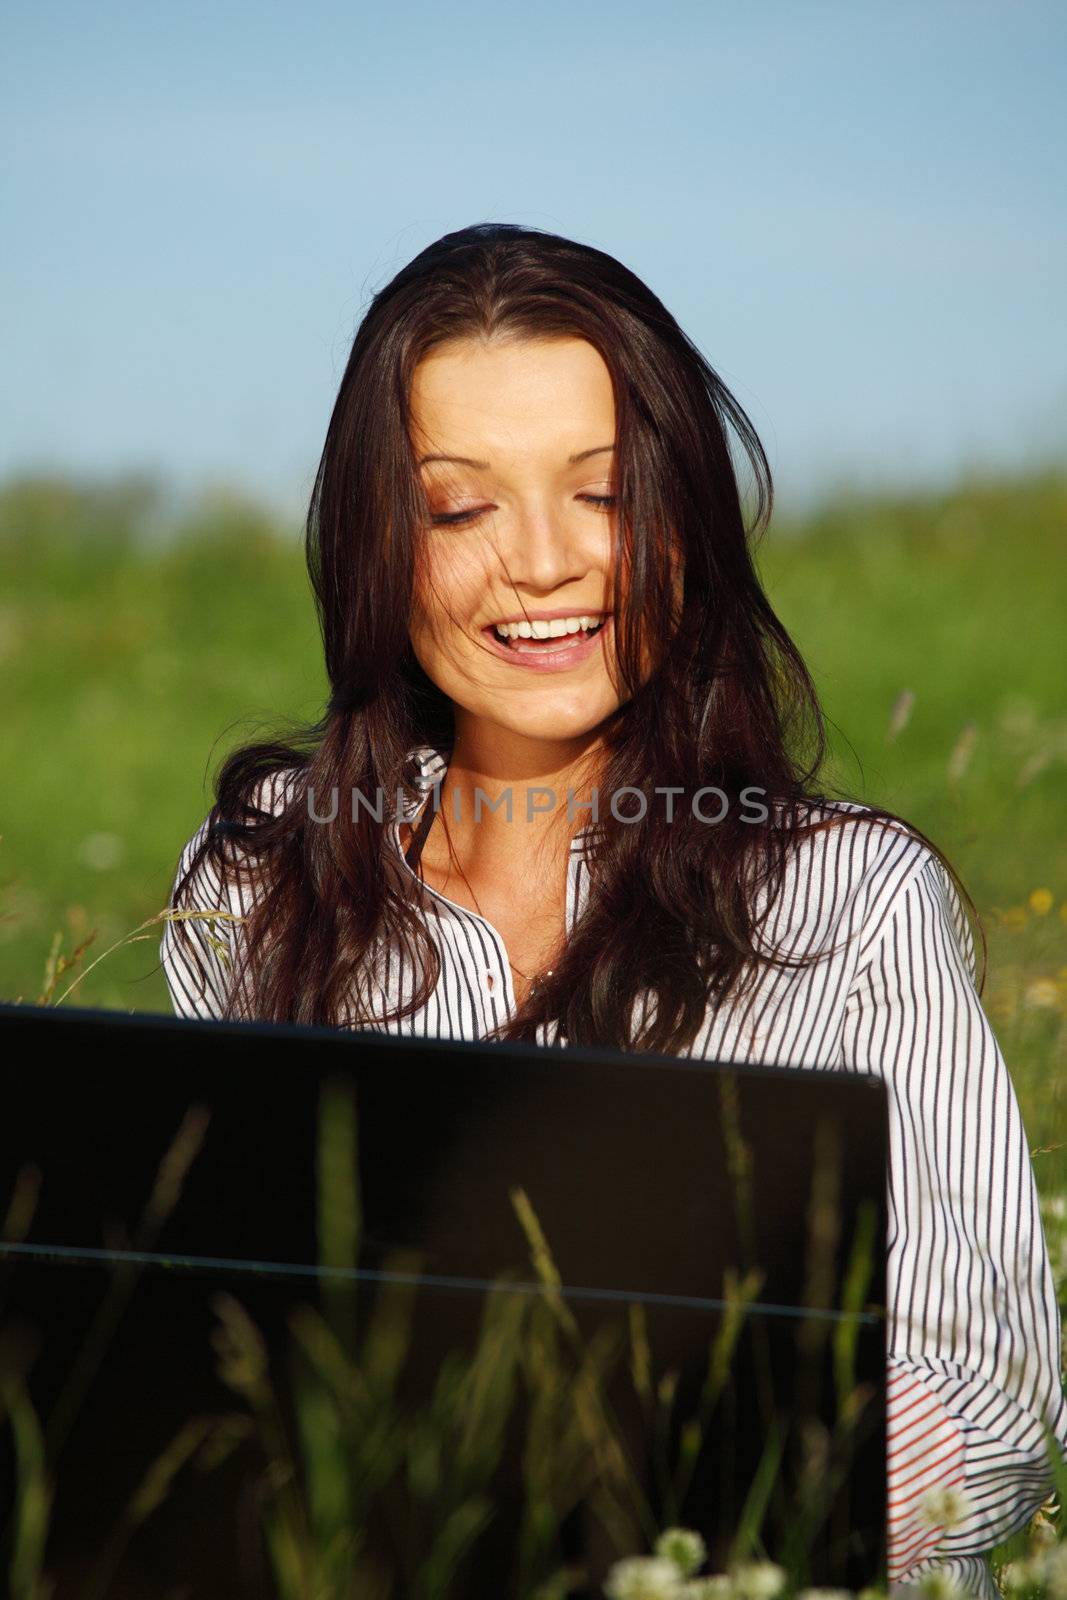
(852, 839)
(847, 863)
(268, 795)
(275, 790)
(265, 796)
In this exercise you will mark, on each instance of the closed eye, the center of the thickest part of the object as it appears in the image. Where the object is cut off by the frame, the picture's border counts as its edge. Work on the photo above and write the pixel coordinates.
(451, 519)
(455, 519)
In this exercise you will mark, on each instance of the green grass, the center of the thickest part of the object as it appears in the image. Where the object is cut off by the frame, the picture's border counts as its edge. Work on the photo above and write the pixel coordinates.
(130, 669)
(136, 651)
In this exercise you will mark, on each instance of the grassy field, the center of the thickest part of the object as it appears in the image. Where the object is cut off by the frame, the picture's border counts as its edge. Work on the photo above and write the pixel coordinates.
(137, 650)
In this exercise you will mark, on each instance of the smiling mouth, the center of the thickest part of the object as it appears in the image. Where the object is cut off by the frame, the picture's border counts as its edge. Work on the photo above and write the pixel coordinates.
(549, 644)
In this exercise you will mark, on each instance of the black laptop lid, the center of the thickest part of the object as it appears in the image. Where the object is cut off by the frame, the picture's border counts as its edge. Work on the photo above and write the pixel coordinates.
(651, 1178)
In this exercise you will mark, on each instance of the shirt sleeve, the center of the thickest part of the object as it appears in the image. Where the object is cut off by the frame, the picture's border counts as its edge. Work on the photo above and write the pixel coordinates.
(973, 1338)
(197, 959)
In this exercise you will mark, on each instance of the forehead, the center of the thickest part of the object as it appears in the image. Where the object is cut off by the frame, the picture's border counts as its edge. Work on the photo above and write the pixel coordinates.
(492, 398)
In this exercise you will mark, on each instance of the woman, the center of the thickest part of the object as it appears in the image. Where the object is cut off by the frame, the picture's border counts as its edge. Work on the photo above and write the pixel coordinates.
(536, 591)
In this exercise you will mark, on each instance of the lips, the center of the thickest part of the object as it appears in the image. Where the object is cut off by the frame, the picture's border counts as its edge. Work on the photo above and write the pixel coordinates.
(552, 655)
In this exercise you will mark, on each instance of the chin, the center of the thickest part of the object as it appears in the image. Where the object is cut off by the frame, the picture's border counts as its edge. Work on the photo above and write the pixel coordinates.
(554, 725)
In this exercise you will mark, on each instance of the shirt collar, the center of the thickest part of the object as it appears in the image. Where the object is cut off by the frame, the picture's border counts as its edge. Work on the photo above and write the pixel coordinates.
(428, 764)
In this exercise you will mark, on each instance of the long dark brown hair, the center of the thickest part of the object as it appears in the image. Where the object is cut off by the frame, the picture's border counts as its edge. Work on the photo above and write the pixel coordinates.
(671, 911)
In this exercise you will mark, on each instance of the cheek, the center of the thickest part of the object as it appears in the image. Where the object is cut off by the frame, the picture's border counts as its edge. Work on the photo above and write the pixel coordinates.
(449, 594)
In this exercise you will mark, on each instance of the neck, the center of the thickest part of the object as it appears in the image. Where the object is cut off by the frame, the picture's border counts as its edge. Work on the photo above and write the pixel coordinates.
(505, 797)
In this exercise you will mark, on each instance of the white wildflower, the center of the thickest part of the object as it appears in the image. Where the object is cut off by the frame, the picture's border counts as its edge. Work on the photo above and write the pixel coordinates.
(1043, 1524)
(718, 1586)
(643, 1578)
(101, 851)
(758, 1580)
(684, 1547)
(944, 1508)
(1026, 1573)
(938, 1585)
(1041, 993)
(1055, 1572)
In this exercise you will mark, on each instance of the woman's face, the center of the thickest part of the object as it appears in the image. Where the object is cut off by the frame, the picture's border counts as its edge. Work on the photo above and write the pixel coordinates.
(520, 436)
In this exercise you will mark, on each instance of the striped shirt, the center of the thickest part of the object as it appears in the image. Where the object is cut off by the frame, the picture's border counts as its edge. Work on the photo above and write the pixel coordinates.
(973, 1335)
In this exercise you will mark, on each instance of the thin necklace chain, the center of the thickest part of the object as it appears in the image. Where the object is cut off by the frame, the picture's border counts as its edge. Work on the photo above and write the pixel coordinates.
(535, 980)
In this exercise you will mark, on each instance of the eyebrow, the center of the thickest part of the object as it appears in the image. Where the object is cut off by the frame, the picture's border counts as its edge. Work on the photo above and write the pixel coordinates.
(483, 466)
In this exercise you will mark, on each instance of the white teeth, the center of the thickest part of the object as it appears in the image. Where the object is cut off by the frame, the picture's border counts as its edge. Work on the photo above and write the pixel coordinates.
(546, 630)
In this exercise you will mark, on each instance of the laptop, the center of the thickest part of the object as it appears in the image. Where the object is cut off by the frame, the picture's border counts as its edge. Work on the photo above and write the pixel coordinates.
(717, 1232)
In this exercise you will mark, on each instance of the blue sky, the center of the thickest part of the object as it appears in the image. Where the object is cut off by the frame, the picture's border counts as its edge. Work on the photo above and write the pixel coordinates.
(857, 211)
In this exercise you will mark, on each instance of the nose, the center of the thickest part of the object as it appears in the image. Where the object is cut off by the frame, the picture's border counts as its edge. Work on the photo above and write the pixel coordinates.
(543, 550)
